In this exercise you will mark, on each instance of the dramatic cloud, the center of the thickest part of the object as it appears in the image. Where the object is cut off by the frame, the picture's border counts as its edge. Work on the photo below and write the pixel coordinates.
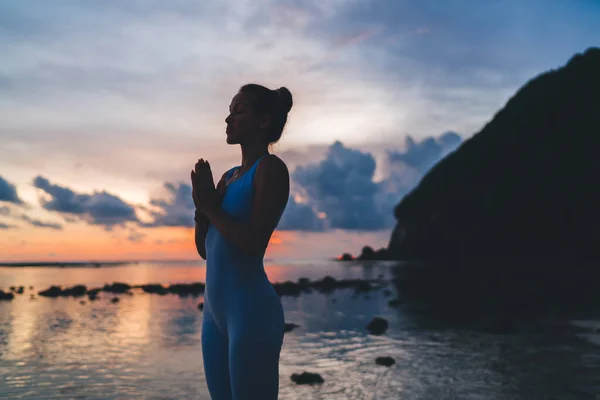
(300, 217)
(342, 188)
(176, 208)
(423, 155)
(98, 208)
(157, 76)
(8, 192)
(6, 226)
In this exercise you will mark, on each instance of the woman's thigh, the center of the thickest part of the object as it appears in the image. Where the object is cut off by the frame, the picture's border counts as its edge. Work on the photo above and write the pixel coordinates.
(215, 354)
(254, 368)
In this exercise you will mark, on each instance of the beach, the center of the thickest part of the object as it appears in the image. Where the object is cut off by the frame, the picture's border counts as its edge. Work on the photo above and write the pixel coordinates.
(147, 345)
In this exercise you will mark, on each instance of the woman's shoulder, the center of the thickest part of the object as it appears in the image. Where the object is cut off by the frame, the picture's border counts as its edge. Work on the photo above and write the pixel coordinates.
(272, 162)
(272, 167)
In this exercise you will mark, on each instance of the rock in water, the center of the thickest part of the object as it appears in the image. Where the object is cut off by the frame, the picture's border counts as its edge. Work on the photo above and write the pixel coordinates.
(307, 378)
(377, 326)
(524, 187)
(290, 327)
(385, 361)
(6, 295)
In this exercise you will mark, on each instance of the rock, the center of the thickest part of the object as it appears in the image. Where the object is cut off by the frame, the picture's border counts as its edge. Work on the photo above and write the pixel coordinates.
(57, 291)
(290, 327)
(187, 289)
(201, 306)
(346, 257)
(93, 294)
(155, 288)
(287, 288)
(52, 291)
(6, 295)
(368, 254)
(377, 326)
(82, 302)
(114, 300)
(20, 290)
(387, 293)
(76, 291)
(117, 288)
(305, 285)
(326, 285)
(307, 378)
(385, 361)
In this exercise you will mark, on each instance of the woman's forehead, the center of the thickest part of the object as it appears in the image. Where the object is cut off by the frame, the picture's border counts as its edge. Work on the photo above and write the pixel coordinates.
(241, 98)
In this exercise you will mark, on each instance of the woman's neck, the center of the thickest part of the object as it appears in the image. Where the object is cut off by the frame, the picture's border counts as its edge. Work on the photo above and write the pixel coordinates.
(251, 153)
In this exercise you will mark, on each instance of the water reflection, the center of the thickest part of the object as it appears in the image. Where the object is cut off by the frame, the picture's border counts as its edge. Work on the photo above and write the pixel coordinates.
(458, 333)
(182, 322)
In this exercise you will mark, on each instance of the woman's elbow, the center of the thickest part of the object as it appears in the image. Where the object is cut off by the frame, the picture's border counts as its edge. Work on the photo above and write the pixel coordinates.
(201, 252)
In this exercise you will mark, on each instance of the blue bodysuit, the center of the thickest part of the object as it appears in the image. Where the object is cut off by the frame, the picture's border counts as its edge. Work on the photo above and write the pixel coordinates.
(242, 329)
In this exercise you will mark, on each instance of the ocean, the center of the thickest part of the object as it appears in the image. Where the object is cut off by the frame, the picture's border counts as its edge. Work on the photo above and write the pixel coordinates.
(147, 346)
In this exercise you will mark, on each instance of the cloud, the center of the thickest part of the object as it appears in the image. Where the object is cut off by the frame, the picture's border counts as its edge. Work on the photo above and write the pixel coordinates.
(175, 208)
(136, 236)
(7, 212)
(300, 217)
(342, 188)
(424, 154)
(41, 224)
(8, 192)
(98, 208)
(148, 75)
(6, 226)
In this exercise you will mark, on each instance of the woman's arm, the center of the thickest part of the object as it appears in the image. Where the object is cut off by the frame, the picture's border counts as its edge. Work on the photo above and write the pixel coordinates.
(271, 193)
(202, 222)
(200, 235)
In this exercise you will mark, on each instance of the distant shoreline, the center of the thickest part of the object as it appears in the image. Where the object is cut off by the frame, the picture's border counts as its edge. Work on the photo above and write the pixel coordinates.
(66, 264)
(95, 264)
(98, 264)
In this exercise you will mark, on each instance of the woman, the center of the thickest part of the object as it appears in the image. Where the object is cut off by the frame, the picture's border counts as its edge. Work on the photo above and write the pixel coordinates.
(242, 330)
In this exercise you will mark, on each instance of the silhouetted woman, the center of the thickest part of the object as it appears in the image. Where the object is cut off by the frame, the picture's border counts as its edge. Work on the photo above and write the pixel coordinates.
(242, 330)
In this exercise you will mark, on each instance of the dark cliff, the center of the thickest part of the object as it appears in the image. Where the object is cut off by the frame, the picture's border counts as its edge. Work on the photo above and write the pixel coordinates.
(527, 186)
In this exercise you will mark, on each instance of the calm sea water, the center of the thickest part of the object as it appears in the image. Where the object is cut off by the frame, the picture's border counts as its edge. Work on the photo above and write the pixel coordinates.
(147, 346)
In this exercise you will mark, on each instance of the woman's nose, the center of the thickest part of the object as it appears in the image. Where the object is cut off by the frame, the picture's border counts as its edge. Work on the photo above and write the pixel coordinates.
(228, 118)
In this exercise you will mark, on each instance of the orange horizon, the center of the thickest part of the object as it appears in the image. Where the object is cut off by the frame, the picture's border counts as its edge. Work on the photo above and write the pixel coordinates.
(84, 243)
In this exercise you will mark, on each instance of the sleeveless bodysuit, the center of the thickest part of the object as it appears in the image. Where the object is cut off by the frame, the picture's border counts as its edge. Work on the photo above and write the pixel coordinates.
(243, 321)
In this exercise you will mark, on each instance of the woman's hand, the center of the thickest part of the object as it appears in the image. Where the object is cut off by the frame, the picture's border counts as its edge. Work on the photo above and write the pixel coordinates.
(205, 195)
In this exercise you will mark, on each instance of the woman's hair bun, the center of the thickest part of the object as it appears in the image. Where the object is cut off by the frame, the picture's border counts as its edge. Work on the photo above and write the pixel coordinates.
(286, 98)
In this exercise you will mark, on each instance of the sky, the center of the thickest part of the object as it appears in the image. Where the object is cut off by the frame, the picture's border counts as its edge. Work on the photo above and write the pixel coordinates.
(106, 105)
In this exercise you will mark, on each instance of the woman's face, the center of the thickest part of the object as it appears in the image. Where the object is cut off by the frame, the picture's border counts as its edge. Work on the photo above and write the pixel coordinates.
(243, 125)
